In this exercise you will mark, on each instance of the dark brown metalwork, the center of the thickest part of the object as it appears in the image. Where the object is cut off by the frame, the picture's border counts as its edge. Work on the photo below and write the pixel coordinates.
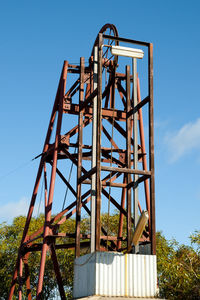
(79, 166)
(113, 171)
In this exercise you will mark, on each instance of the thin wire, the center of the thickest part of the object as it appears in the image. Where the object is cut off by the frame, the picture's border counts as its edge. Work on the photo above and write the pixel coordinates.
(16, 169)
(69, 178)
(110, 58)
(28, 162)
(109, 45)
(104, 67)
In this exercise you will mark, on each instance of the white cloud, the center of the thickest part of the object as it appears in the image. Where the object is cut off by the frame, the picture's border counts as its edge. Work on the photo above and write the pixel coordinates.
(186, 139)
(13, 209)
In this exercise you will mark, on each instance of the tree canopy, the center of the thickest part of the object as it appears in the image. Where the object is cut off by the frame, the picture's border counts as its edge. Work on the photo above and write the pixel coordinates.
(178, 265)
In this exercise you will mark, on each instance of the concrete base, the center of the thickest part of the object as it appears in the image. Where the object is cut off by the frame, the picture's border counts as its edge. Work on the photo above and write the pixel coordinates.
(114, 298)
(112, 274)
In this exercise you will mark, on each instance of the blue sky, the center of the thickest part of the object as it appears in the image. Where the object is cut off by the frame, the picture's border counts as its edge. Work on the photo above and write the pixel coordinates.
(36, 36)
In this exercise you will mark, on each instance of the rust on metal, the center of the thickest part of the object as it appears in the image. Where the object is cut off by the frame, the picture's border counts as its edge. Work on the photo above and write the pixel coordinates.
(115, 172)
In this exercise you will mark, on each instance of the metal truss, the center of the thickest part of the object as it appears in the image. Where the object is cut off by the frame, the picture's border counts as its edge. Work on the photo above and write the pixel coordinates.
(109, 155)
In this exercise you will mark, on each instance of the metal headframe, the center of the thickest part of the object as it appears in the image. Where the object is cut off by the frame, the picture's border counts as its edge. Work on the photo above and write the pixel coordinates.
(107, 147)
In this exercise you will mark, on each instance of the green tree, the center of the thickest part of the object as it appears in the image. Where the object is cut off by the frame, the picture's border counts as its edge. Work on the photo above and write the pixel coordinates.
(178, 268)
(178, 265)
(10, 238)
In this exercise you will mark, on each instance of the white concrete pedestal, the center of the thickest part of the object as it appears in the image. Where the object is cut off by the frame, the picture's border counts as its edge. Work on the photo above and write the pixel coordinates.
(112, 274)
(114, 298)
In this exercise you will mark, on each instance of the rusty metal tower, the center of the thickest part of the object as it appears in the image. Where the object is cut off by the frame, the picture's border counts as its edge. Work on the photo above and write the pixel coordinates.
(106, 144)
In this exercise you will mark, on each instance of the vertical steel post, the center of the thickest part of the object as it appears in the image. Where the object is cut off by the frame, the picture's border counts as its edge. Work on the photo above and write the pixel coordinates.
(128, 155)
(98, 147)
(151, 150)
(93, 163)
(135, 146)
(80, 145)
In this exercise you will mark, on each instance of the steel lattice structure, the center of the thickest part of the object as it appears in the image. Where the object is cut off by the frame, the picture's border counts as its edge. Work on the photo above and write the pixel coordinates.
(107, 168)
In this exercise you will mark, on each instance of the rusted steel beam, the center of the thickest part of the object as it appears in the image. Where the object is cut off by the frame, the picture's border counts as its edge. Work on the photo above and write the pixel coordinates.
(64, 138)
(20, 279)
(106, 92)
(57, 272)
(98, 155)
(111, 177)
(121, 216)
(79, 165)
(71, 213)
(112, 184)
(125, 170)
(87, 155)
(112, 90)
(128, 156)
(121, 93)
(87, 101)
(114, 202)
(14, 279)
(139, 105)
(121, 76)
(70, 156)
(37, 182)
(70, 246)
(59, 216)
(140, 179)
(73, 66)
(121, 90)
(65, 181)
(121, 39)
(74, 130)
(85, 236)
(87, 175)
(113, 159)
(119, 129)
(37, 235)
(109, 137)
(27, 277)
(88, 89)
(45, 187)
(72, 88)
(122, 159)
(135, 147)
(151, 150)
(52, 182)
(118, 150)
(144, 159)
(74, 109)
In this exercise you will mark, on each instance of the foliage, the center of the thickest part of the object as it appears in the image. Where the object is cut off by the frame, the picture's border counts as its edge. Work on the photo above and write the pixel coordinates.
(10, 238)
(178, 269)
(178, 265)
